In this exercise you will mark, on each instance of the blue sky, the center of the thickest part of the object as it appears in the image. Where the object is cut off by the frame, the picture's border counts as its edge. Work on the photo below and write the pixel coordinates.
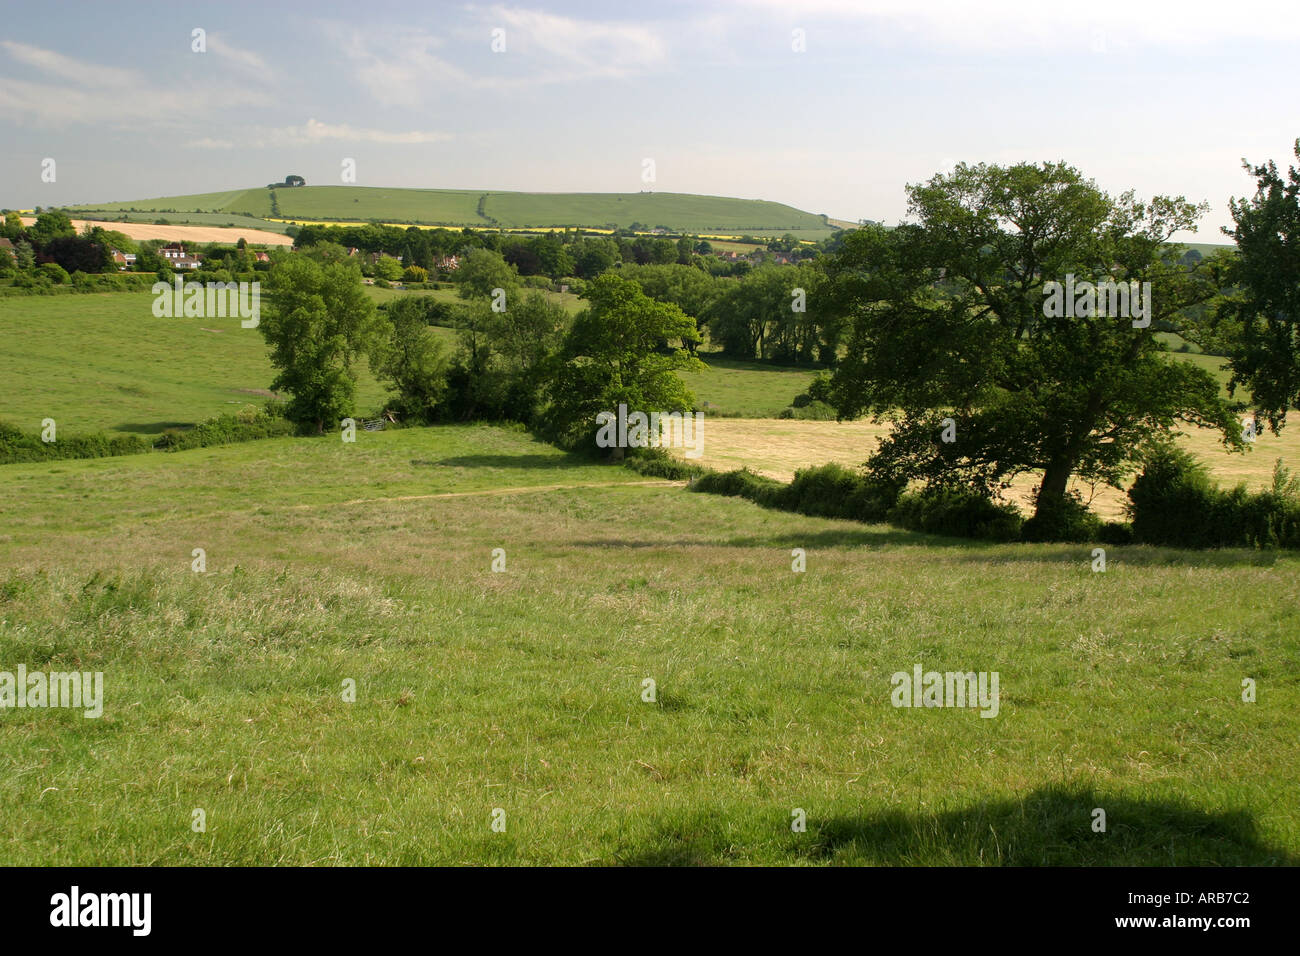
(1159, 97)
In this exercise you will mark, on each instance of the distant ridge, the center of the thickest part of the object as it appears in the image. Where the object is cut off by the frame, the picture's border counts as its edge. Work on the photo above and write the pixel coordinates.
(674, 212)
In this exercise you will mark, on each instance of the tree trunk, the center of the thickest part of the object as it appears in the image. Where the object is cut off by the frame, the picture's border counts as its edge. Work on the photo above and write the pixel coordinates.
(1056, 477)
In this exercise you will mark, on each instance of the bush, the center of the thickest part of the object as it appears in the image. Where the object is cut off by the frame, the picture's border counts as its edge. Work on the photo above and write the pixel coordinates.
(248, 424)
(743, 484)
(17, 445)
(833, 491)
(828, 491)
(811, 410)
(54, 272)
(957, 512)
(1069, 521)
(1174, 502)
(658, 463)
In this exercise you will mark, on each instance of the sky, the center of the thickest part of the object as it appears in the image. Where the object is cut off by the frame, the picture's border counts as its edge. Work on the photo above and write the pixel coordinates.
(831, 106)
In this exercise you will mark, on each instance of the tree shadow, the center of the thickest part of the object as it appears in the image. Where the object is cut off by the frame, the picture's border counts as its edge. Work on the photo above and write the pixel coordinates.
(1051, 826)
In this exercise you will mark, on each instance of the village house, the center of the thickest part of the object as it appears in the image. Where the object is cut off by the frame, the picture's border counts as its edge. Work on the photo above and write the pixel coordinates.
(178, 258)
(123, 260)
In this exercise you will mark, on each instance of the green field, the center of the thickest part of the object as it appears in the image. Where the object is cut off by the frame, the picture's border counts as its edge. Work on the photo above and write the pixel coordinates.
(457, 207)
(521, 691)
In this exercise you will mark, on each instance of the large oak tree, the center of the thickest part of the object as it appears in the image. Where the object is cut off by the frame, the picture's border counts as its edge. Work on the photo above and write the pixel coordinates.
(948, 322)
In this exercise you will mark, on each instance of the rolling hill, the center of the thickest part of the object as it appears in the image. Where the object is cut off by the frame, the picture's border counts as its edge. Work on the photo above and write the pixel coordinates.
(679, 212)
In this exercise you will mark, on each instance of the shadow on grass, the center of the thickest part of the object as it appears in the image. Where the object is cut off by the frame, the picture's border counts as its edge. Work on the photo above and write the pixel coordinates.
(515, 462)
(1052, 826)
(154, 428)
(962, 549)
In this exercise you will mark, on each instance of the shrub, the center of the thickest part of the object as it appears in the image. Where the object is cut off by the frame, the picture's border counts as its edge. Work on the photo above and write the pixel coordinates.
(1068, 521)
(957, 512)
(743, 483)
(54, 272)
(17, 445)
(828, 491)
(811, 410)
(248, 424)
(833, 491)
(658, 463)
(1174, 502)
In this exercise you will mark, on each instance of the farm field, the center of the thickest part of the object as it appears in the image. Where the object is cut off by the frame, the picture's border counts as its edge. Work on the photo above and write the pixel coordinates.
(256, 234)
(521, 691)
(777, 448)
(134, 372)
(461, 207)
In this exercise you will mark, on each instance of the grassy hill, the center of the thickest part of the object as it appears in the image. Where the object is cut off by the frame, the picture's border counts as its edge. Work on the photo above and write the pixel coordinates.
(455, 207)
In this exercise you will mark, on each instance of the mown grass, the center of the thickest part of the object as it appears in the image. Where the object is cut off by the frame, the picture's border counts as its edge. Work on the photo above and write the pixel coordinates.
(522, 690)
(737, 388)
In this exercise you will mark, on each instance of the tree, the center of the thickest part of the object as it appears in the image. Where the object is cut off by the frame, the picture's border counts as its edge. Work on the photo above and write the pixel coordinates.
(294, 181)
(594, 256)
(612, 356)
(1262, 320)
(24, 257)
(318, 321)
(412, 360)
(78, 254)
(481, 272)
(950, 322)
(53, 224)
(13, 228)
(388, 269)
(499, 371)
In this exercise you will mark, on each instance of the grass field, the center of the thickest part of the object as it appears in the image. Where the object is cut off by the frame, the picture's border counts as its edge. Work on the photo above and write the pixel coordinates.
(522, 690)
(133, 372)
(460, 207)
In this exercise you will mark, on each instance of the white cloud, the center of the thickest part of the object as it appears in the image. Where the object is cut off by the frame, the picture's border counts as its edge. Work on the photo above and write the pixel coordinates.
(582, 48)
(240, 57)
(81, 72)
(94, 94)
(1004, 25)
(315, 132)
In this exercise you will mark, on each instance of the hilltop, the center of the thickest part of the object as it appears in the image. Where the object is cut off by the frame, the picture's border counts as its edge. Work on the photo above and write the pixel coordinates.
(644, 211)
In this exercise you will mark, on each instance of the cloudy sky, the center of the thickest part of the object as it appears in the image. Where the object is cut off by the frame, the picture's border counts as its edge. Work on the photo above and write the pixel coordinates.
(1163, 97)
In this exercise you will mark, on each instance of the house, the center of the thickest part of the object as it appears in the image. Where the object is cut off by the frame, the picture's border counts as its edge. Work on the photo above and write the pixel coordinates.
(178, 258)
(123, 260)
(261, 256)
(6, 244)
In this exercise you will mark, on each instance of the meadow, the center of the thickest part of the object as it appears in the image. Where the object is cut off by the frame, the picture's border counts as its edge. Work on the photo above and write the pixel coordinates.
(522, 691)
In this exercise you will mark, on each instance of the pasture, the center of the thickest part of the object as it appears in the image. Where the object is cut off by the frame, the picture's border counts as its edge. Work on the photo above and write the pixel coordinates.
(521, 691)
